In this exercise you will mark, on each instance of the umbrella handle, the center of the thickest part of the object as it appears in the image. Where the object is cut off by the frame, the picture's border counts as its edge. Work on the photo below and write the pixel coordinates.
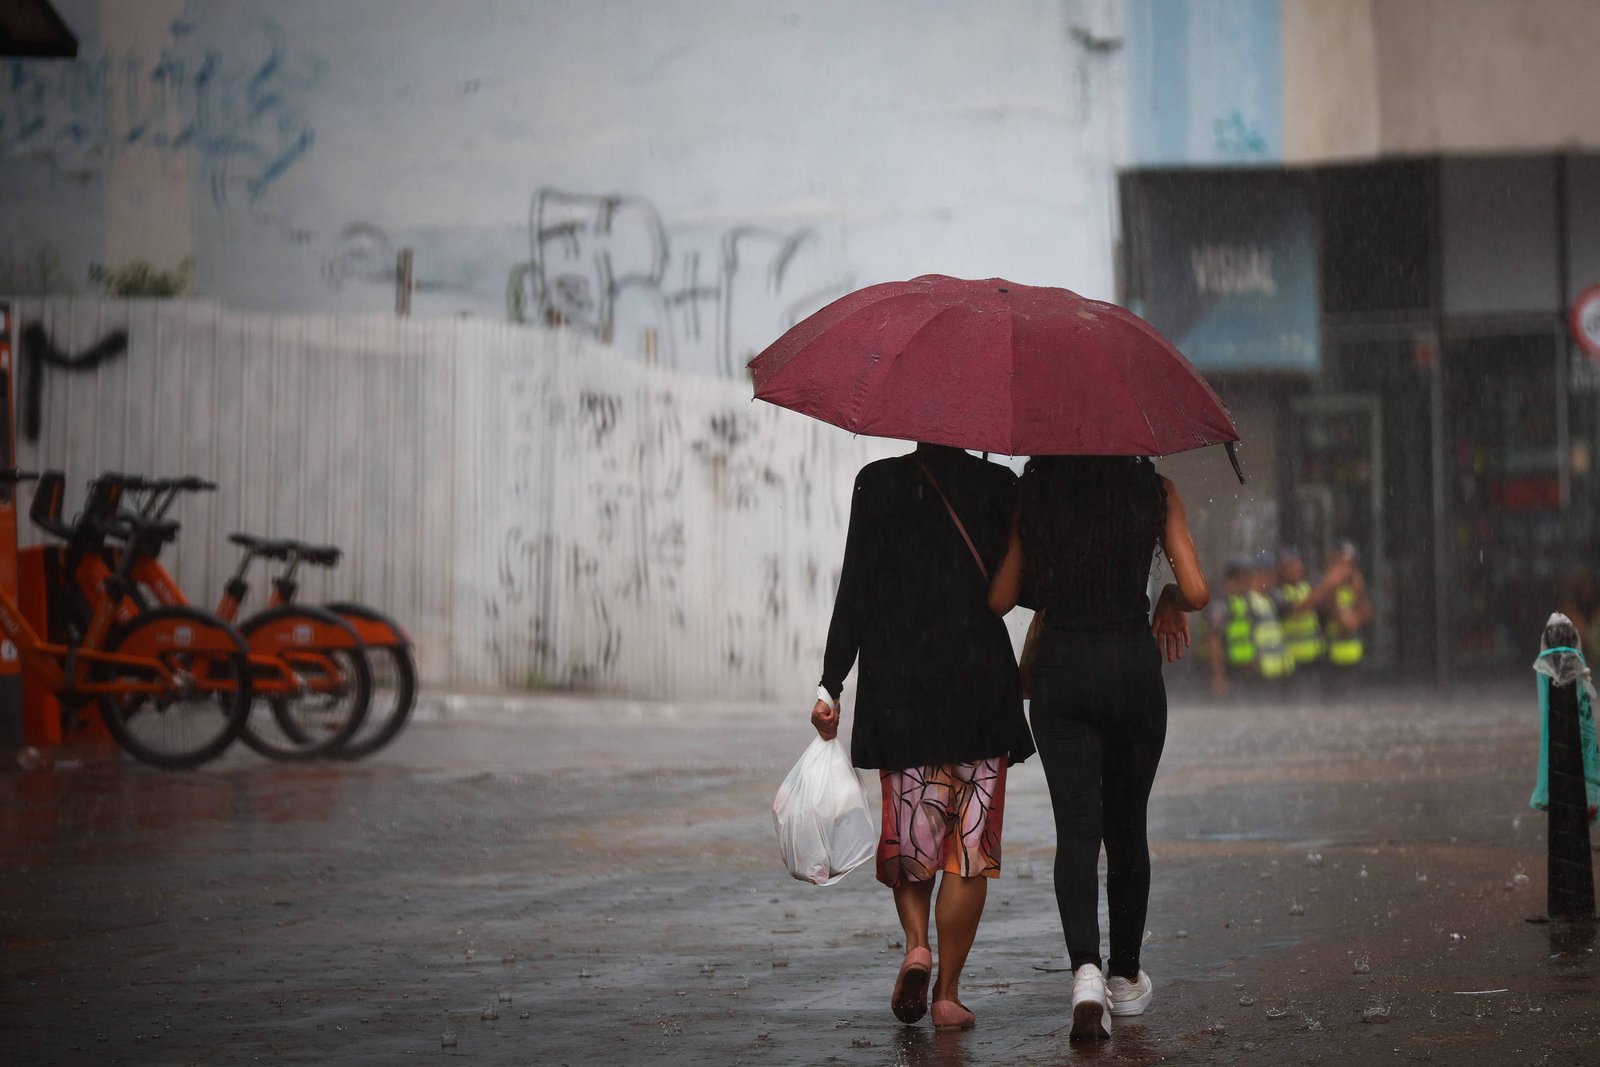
(1233, 457)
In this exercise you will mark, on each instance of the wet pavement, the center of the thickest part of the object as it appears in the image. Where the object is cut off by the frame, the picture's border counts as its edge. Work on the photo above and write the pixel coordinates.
(560, 880)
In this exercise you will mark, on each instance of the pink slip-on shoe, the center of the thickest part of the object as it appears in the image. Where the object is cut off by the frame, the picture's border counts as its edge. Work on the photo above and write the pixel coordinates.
(952, 1015)
(910, 998)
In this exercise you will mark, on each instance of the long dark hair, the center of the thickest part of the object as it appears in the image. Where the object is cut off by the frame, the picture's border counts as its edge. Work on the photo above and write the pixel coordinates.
(1081, 517)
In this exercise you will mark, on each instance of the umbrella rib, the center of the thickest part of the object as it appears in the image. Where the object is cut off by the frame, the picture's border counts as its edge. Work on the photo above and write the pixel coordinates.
(851, 399)
(1011, 416)
(892, 363)
(1126, 386)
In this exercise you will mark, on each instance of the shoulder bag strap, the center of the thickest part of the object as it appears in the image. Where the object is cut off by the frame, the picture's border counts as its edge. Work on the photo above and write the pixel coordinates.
(954, 517)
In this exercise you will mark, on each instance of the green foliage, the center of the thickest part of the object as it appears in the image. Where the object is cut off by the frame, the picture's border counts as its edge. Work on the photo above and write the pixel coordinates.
(35, 271)
(138, 278)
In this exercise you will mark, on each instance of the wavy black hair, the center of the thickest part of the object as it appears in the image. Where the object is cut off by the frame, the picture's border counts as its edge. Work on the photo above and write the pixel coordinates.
(1083, 517)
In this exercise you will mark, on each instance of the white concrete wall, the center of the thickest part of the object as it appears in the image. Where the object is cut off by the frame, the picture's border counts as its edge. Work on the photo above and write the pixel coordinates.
(685, 177)
(534, 509)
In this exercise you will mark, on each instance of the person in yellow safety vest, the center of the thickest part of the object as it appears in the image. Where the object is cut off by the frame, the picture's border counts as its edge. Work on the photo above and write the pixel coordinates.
(1244, 637)
(1231, 651)
(1302, 624)
(1273, 660)
(1350, 611)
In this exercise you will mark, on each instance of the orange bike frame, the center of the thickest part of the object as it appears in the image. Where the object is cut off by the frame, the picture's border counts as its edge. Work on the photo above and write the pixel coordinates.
(282, 670)
(44, 663)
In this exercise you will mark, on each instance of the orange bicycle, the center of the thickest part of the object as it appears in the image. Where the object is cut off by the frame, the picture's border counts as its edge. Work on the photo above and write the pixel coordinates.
(388, 647)
(309, 671)
(172, 683)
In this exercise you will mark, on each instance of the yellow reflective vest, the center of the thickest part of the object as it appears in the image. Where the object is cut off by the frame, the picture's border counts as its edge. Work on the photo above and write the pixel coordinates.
(1253, 637)
(1302, 630)
(1344, 649)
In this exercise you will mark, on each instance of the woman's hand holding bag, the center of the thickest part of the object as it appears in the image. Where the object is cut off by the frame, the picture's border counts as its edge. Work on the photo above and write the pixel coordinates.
(825, 717)
(823, 810)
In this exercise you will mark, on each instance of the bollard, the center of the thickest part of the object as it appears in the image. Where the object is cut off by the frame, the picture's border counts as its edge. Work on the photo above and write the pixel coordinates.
(1570, 892)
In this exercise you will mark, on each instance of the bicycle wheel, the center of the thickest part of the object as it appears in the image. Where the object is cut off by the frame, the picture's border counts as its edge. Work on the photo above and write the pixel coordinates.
(326, 656)
(394, 692)
(205, 710)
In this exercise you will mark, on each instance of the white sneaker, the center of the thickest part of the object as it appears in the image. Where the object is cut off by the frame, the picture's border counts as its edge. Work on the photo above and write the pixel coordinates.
(1090, 1016)
(1129, 998)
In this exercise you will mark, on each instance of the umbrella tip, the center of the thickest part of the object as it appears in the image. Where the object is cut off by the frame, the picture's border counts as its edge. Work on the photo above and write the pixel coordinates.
(1233, 457)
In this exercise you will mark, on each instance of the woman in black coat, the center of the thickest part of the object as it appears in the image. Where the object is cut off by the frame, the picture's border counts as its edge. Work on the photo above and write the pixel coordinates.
(938, 708)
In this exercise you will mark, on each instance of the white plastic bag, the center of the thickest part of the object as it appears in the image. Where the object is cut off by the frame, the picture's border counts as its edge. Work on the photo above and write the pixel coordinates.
(823, 815)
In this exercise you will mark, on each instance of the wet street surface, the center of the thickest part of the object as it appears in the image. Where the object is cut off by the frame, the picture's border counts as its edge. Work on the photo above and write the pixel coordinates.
(560, 880)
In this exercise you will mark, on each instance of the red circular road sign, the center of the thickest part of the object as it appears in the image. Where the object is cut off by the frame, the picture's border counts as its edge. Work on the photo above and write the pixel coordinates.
(1586, 321)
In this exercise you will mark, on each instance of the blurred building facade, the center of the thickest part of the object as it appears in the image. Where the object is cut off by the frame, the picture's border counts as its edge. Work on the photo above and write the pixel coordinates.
(648, 190)
(1380, 244)
(1370, 223)
(681, 179)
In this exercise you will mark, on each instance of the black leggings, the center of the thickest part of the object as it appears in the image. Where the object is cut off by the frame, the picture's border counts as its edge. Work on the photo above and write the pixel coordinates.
(1099, 714)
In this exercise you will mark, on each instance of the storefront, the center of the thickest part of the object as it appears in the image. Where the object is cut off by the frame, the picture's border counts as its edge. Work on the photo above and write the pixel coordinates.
(1404, 333)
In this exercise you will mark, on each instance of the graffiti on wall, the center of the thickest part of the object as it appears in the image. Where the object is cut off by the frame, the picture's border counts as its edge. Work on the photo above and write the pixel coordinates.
(1234, 137)
(456, 270)
(655, 533)
(235, 102)
(701, 299)
(39, 350)
(609, 266)
(599, 524)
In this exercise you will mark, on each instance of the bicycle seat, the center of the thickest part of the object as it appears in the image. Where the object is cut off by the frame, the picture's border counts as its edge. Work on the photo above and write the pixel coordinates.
(265, 547)
(48, 496)
(317, 555)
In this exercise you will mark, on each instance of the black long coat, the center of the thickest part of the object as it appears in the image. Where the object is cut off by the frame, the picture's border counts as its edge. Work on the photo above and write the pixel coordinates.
(938, 680)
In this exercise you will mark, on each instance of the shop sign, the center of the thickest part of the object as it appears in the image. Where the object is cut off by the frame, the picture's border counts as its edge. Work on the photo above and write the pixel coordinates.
(1232, 272)
(1586, 321)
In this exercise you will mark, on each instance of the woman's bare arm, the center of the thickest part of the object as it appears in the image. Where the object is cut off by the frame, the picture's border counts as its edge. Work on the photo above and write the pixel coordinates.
(1179, 546)
(1006, 586)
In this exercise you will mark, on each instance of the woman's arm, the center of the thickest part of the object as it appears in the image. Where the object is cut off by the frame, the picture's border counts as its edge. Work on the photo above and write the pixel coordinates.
(1170, 619)
(850, 603)
(1192, 593)
(1006, 585)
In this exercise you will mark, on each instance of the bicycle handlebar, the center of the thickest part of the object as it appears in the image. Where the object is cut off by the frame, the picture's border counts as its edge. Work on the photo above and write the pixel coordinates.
(188, 483)
(162, 492)
(13, 475)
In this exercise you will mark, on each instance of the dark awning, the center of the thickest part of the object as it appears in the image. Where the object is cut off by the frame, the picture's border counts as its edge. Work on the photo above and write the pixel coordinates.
(32, 28)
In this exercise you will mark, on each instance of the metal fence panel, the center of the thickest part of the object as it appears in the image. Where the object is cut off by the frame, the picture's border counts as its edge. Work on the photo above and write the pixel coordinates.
(534, 509)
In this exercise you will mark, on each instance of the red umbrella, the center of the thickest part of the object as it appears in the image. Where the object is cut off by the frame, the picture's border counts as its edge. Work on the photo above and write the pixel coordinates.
(996, 367)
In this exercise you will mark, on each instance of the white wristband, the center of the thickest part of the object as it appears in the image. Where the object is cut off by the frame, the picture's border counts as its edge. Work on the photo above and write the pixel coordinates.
(825, 696)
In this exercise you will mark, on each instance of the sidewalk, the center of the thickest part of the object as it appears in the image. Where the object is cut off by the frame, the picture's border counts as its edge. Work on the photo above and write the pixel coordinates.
(561, 879)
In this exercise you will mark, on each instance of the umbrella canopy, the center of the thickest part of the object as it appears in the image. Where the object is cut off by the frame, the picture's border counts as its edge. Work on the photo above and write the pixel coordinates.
(993, 366)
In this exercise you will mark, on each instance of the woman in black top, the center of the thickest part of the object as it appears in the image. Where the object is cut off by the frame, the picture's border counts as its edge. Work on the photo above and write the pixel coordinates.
(1086, 534)
(938, 707)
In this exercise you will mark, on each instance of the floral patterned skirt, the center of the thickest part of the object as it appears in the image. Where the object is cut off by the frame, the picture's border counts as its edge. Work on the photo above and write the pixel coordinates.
(942, 818)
